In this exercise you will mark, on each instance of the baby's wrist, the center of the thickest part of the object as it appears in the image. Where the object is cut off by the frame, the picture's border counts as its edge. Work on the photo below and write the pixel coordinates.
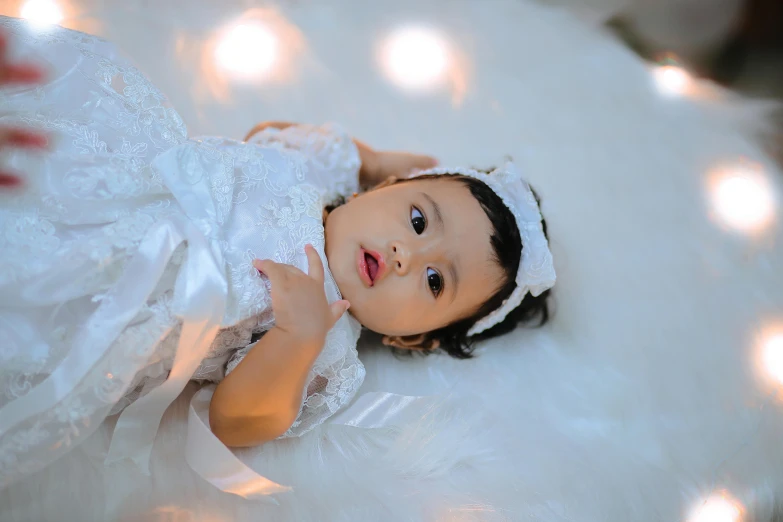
(369, 171)
(302, 340)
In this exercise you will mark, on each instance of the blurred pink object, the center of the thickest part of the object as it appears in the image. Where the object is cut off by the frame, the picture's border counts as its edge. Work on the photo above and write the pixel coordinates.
(14, 74)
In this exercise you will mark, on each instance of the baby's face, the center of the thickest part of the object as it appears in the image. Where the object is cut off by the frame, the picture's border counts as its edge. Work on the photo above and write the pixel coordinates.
(412, 257)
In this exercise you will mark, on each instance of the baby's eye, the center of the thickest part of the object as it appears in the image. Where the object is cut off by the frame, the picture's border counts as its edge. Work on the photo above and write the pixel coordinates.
(418, 221)
(435, 282)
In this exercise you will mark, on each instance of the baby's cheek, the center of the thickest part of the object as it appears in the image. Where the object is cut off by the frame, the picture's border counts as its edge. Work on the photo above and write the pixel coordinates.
(411, 311)
(387, 308)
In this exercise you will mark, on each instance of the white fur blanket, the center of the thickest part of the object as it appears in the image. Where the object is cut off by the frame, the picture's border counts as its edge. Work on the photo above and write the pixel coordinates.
(639, 400)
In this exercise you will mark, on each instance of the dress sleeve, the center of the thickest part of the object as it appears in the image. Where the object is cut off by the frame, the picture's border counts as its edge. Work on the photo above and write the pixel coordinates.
(236, 358)
(331, 156)
(333, 380)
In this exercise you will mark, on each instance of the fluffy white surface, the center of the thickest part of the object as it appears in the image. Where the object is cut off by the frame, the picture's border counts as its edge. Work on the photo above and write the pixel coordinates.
(639, 399)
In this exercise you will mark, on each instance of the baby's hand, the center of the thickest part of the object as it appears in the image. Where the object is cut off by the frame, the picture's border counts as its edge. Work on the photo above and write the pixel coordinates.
(399, 165)
(299, 300)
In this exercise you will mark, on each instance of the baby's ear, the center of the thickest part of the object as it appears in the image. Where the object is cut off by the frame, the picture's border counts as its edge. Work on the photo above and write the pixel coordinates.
(421, 342)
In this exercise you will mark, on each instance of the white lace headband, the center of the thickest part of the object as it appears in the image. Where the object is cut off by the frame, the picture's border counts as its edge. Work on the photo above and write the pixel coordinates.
(536, 272)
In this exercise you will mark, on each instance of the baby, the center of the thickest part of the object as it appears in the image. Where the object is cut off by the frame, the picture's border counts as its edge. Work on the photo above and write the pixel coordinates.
(421, 260)
(137, 258)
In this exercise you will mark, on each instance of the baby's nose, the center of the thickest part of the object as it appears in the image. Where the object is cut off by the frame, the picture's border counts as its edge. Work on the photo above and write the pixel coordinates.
(401, 258)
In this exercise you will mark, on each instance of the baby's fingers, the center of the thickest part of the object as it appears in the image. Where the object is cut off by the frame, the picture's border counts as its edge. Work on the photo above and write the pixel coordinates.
(338, 308)
(269, 268)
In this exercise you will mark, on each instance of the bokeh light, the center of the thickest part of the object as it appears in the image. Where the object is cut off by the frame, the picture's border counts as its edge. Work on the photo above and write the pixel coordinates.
(742, 197)
(772, 355)
(672, 80)
(42, 12)
(768, 353)
(416, 58)
(258, 47)
(717, 508)
(247, 51)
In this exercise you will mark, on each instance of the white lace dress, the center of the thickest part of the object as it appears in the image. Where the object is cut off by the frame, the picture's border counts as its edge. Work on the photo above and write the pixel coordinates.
(128, 256)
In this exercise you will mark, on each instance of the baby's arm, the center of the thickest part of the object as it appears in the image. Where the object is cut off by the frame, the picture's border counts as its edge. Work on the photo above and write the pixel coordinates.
(368, 172)
(260, 399)
(377, 166)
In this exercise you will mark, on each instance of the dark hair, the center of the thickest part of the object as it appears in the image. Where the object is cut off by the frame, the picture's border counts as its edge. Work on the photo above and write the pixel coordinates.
(507, 249)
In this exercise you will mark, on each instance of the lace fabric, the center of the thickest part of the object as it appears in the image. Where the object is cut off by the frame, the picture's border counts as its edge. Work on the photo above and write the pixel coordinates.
(329, 150)
(122, 164)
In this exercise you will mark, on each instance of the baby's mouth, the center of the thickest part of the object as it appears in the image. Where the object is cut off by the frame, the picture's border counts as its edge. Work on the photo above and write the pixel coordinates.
(370, 266)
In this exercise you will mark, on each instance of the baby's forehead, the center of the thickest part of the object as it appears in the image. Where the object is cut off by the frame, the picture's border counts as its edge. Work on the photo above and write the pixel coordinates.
(448, 186)
(450, 195)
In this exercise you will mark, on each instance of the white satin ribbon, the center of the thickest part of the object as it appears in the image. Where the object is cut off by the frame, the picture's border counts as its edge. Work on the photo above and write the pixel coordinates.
(216, 464)
(373, 410)
(202, 287)
(94, 339)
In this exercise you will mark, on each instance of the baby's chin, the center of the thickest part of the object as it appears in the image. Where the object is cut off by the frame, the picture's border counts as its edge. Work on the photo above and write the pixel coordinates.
(358, 312)
(368, 317)
(347, 292)
(377, 320)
